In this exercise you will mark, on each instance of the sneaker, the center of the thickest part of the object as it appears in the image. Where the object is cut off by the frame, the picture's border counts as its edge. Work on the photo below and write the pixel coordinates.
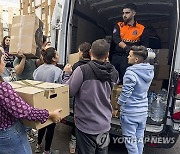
(34, 133)
(47, 152)
(38, 148)
(72, 144)
(30, 139)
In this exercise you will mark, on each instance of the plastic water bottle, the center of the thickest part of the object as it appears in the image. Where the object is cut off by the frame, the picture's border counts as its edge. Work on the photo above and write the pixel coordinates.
(163, 94)
(158, 109)
(151, 97)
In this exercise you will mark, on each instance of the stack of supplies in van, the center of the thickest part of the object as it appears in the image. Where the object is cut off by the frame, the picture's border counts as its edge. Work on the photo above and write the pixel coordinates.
(114, 98)
(161, 70)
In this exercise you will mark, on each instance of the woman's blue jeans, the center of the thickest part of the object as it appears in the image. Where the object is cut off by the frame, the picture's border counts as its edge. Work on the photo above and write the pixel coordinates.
(13, 140)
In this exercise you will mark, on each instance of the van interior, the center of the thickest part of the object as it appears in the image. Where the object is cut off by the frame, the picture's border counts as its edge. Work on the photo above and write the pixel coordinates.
(94, 19)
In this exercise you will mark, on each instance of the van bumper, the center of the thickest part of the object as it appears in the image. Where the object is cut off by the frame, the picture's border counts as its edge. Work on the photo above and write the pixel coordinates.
(166, 138)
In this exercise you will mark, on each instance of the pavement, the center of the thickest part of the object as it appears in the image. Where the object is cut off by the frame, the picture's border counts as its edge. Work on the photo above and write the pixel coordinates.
(62, 137)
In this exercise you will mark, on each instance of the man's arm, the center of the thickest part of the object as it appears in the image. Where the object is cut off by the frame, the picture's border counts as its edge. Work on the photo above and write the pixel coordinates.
(19, 68)
(116, 35)
(117, 39)
(144, 39)
(75, 81)
(128, 87)
(39, 61)
(19, 63)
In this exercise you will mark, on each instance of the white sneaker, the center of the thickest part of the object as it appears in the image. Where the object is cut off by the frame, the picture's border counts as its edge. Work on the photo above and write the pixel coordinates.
(38, 149)
(30, 139)
(72, 144)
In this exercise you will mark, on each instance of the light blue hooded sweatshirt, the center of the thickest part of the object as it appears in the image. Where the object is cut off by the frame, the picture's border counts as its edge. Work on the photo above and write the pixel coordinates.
(136, 82)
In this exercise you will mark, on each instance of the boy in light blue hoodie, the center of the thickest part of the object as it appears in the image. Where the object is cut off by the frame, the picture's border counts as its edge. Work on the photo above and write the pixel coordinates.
(133, 99)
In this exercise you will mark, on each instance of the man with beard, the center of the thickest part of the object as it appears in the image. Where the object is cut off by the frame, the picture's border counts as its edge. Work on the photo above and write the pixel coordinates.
(126, 34)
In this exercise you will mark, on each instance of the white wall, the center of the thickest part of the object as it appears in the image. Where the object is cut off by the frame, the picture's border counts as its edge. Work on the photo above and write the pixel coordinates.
(10, 3)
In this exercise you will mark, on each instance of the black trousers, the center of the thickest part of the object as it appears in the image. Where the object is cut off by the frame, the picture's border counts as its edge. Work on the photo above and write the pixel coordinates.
(120, 63)
(49, 135)
(92, 144)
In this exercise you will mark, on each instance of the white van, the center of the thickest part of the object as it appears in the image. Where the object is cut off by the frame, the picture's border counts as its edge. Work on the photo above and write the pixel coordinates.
(76, 21)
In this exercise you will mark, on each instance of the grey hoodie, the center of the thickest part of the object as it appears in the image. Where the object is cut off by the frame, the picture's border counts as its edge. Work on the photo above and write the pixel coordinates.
(91, 85)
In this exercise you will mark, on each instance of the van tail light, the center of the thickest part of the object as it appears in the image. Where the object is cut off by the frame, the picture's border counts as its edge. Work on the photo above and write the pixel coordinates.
(176, 115)
(178, 86)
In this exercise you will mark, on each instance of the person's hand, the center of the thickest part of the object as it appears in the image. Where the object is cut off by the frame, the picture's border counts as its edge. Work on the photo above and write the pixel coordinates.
(55, 116)
(68, 68)
(40, 60)
(47, 46)
(127, 48)
(20, 53)
(6, 55)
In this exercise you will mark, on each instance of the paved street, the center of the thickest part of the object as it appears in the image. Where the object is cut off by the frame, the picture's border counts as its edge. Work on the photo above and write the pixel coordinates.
(62, 136)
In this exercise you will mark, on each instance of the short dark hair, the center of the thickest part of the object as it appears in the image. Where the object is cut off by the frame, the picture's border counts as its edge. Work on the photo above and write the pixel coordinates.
(48, 55)
(85, 48)
(100, 48)
(140, 51)
(131, 6)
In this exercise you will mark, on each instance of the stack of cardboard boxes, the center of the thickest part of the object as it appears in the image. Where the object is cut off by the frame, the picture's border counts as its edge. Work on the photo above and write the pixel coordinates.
(114, 98)
(161, 70)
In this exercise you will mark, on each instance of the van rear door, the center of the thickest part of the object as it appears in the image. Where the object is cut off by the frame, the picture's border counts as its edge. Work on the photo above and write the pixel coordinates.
(174, 92)
(60, 25)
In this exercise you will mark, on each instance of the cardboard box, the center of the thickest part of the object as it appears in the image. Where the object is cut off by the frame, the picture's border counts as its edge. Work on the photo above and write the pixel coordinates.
(156, 86)
(26, 34)
(161, 71)
(114, 96)
(73, 58)
(43, 95)
(162, 56)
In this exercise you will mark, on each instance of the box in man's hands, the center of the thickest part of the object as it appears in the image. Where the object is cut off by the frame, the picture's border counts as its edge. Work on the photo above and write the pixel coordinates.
(73, 58)
(26, 34)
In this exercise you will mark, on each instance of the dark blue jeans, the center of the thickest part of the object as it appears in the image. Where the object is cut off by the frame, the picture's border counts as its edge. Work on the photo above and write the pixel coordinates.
(13, 140)
(92, 144)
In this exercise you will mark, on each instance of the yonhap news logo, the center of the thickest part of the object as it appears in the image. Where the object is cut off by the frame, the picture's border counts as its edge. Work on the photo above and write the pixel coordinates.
(152, 139)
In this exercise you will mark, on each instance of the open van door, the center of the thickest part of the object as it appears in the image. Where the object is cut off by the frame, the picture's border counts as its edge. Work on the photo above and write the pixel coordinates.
(60, 25)
(174, 106)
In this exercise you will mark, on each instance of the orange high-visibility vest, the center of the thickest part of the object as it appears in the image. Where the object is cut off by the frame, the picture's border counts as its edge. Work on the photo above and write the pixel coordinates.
(130, 34)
